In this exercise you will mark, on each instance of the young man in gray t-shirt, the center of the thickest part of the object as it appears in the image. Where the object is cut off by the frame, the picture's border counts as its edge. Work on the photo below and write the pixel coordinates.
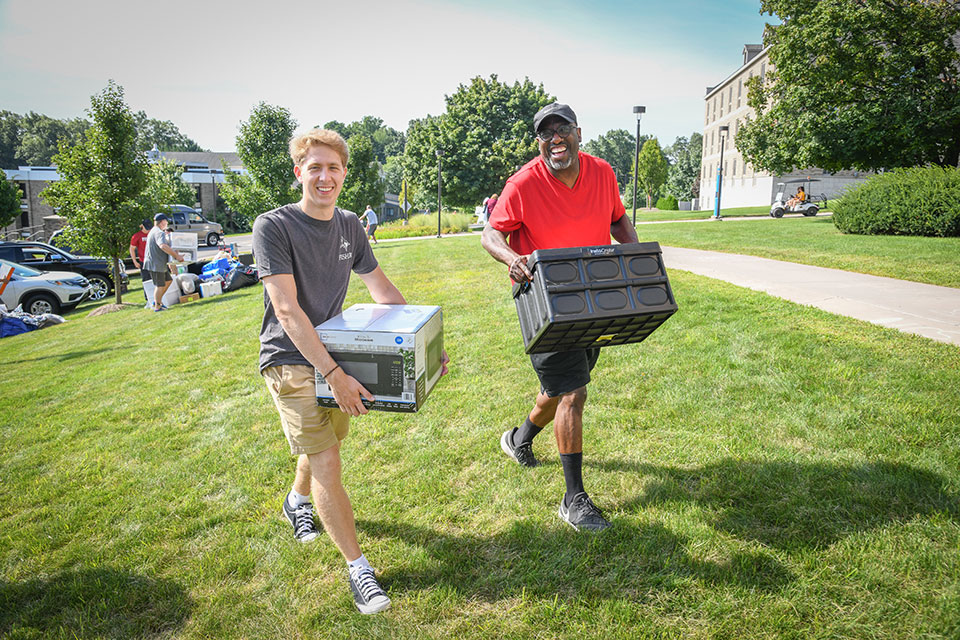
(305, 253)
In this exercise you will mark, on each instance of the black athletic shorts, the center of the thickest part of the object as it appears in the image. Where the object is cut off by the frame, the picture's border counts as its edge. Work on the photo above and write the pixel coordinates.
(564, 371)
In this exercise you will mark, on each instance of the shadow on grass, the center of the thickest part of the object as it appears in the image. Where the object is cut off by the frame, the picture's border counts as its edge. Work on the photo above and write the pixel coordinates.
(790, 505)
(530, 559)
(64, 357)
(92, 603)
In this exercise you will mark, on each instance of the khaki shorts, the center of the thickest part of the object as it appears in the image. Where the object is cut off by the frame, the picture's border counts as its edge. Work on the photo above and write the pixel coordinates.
(309, 427)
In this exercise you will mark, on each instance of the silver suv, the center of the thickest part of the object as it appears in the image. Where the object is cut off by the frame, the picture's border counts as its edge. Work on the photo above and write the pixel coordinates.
(188, 219)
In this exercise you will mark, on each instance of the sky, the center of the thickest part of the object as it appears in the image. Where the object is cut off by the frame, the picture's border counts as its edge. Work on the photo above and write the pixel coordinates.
(205, 64)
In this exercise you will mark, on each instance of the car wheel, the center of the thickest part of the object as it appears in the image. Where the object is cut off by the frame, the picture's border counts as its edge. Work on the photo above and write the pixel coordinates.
(777, 213)
(810, 211)
(212, 239)
(101, 287)
(38, 304)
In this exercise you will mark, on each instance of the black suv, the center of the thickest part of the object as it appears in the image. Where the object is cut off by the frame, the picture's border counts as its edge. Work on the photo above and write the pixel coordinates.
(45, 257)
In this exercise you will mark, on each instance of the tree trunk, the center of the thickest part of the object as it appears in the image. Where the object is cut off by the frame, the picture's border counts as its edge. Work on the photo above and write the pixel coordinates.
(117, 265)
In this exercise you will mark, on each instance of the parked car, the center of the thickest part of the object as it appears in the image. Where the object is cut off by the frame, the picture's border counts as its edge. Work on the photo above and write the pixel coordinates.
(42, 291)
(46, 257)
(188, 219)
(56, 239)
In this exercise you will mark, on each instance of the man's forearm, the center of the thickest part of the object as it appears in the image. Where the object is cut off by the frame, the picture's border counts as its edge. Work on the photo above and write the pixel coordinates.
(623, 231)
(495, 242)
(297, 326)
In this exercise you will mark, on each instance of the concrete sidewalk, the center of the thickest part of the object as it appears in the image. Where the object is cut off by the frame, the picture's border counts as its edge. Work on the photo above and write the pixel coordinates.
(924, 309)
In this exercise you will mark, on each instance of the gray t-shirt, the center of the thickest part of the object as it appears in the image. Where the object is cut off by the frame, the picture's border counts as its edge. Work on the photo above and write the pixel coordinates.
(371, 216)
(320, 255)
(157, 258)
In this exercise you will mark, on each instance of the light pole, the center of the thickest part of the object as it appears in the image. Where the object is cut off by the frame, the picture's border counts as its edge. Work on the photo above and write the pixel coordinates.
(716, 205)
(439, 188)
(639, 111)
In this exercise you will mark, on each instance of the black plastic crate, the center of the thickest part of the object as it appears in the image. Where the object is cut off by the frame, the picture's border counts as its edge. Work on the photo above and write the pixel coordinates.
(585, 297)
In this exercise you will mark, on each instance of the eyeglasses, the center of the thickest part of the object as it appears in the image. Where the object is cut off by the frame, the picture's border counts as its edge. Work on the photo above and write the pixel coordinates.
(563, 131)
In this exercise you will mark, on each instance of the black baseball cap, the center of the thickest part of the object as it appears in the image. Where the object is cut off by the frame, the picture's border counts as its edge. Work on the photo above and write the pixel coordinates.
(554, 109)
(147, 223)
(161, 216)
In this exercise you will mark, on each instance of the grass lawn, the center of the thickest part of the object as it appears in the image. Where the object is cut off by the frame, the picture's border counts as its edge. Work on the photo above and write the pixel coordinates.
(771, 470)
(816, 241)
(656, 215)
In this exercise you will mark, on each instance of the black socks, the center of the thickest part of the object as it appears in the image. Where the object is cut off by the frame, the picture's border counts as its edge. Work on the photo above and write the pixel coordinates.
(572, 475)
(525, 433)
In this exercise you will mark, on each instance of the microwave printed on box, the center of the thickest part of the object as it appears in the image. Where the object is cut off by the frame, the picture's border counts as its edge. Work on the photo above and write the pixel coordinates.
(394, 351)
(599, 296)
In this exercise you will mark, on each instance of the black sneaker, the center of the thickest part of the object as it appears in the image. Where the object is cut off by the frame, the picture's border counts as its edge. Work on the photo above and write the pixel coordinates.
(367, 594)
(582, 514)
(301, 518)
(522, 453)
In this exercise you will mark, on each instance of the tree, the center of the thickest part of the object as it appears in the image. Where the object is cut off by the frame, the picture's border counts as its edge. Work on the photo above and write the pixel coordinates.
(393, 174)
(162, 133)
(166, 184)
(862, 84)
(617, 147)
(405, 197)
(262, 145)
(9, 202)
(651, 168)
(486, 134)
(386, 141)
(683, 175)
(362, 185)
(40, 135)
(102, 189)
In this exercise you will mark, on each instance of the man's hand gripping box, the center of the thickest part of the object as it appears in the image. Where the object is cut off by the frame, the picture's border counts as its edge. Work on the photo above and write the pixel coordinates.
(395, 351)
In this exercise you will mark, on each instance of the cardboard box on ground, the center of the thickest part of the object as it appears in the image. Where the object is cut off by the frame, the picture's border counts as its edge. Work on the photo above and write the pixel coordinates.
(394, 351)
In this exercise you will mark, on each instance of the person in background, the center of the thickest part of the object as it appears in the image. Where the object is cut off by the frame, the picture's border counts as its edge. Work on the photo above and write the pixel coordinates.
(158, 256)
(371, 223)
(138, 243)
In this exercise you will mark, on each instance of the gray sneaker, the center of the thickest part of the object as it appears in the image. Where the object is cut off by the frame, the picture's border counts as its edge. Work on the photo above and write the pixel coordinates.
(301, 519)
(582, 514)
(522, 453)
(367, 594)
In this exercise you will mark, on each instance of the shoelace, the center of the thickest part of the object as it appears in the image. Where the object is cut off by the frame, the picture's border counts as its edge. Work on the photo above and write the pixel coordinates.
(367, 584)
(586, 507)
(303, 519)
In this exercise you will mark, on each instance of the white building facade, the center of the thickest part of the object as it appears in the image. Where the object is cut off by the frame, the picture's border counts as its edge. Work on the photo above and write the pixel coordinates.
(726, 105)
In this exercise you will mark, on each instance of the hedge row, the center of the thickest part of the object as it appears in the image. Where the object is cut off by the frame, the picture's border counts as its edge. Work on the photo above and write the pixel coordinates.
(919, 201)
(667, 203)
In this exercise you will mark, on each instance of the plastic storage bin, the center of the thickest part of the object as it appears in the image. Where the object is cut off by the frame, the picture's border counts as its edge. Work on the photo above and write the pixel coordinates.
(585, 297)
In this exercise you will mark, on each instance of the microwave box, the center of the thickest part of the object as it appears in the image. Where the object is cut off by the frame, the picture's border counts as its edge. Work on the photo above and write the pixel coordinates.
(393, 350)
(600, 296)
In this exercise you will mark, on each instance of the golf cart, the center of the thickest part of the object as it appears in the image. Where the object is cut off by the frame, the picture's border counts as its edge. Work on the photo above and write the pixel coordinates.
(809, 206)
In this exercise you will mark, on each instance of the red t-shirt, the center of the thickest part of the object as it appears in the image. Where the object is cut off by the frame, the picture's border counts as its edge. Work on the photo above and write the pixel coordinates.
(538, 211)
(139, 240)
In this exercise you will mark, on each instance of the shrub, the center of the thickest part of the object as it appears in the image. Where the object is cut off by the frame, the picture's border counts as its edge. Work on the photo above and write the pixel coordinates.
(425, 225)
(919, 201)
(667, 203)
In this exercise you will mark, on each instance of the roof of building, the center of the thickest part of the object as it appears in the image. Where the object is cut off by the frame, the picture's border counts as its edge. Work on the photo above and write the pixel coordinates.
(209, 158)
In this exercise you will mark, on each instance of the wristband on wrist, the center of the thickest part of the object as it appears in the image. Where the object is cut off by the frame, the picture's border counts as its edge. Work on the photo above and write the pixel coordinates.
(327, 374)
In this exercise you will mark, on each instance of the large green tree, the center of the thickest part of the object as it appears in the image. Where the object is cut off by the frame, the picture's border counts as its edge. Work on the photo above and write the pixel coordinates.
(485, 135)
(386, 141)
(362, 185)
(102, 189)
(617, 147)
(262, 145)
(162, 133)
(651, 168)
(9, 201)
(166, 184)
(683, 174)
(862, 84)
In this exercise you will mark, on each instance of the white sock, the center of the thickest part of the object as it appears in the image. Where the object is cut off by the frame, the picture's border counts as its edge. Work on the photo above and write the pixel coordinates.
(359, 563)
(294, 499)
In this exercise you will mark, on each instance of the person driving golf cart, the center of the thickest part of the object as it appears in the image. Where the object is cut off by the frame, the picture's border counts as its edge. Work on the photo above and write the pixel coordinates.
(798, 198)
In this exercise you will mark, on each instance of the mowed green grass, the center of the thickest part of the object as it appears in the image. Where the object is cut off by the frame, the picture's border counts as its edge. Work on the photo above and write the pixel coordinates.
(816, 241)
(771, 470)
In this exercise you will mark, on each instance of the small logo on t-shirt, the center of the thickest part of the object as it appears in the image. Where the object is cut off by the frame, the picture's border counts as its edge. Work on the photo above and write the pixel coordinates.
(345, 253)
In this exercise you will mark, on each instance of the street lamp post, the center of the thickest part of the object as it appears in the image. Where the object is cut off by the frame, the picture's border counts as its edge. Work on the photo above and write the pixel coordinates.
(639, 111)
(439, 188)
(716, 205)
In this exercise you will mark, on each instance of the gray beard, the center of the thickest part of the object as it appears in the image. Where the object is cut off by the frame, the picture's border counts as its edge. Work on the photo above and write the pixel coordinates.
(559, 165)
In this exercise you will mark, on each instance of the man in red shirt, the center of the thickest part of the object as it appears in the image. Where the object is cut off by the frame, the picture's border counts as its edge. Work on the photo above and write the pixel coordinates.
(138, 243)
(561, 198)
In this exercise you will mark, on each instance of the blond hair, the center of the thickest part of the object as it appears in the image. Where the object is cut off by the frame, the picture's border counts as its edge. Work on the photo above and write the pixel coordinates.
(300, 144)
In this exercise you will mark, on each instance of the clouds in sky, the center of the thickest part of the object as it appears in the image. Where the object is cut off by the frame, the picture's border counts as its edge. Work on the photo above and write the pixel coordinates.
(205, 64)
